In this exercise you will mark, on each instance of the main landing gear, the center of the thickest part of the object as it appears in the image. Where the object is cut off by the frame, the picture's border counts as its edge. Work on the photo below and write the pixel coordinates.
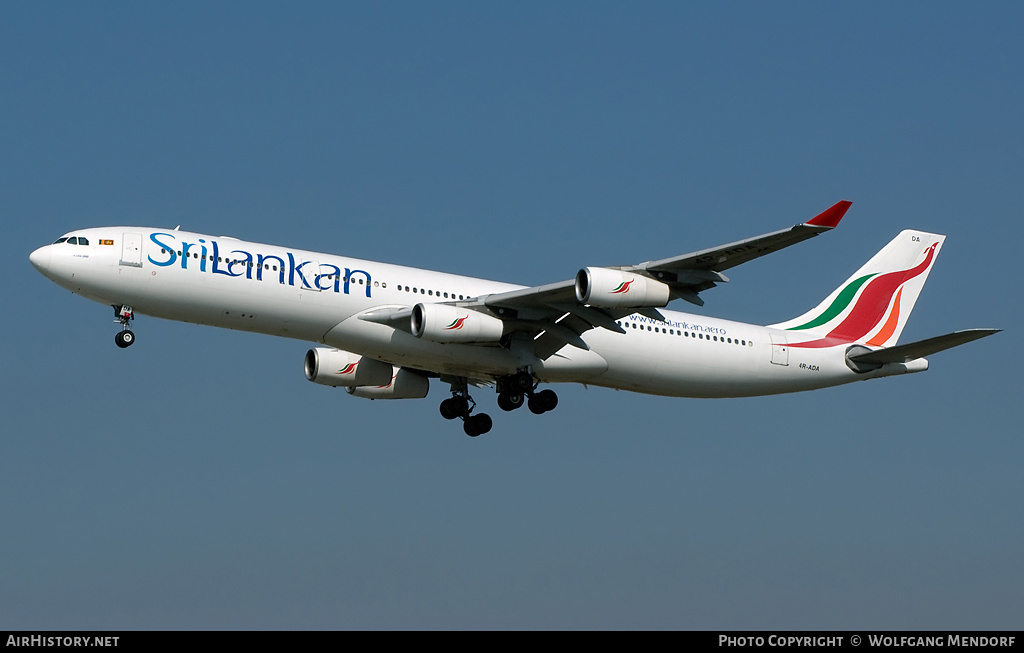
(513, 392)
(521, 388)
(460, 406)
(124, 315)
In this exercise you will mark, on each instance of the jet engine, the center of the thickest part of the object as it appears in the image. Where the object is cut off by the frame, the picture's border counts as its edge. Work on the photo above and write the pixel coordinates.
(606, 288)
(450, 324)
(336, 367)
(405, 384)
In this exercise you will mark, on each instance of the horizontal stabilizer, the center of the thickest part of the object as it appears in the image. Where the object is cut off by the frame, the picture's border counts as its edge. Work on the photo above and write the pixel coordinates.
(921, 348)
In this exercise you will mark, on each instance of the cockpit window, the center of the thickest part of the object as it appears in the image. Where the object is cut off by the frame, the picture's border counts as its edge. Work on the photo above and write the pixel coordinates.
(74, 240)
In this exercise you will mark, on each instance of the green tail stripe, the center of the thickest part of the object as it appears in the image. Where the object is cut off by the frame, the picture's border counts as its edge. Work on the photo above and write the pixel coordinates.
(842, 300)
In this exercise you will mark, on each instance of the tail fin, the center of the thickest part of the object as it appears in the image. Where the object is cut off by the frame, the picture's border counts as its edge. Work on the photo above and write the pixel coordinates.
(873, 305)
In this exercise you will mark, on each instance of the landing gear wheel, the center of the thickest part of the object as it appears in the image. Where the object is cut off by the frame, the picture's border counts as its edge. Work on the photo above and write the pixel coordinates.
(548, 399)
(522, 381)
(447, 410)
(510, 400)
(124, 338)
(477, 424)
(124, 316)
(542, 402)
(457, 406)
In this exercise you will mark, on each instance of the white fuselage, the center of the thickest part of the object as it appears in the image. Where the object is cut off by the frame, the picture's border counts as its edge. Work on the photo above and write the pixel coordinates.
(311, 296)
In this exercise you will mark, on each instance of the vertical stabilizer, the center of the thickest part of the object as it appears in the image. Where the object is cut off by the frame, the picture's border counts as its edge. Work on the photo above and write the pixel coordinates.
(873, 305)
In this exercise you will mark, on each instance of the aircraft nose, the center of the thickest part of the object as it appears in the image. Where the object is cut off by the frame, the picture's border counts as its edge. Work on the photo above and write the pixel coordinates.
(41, 258)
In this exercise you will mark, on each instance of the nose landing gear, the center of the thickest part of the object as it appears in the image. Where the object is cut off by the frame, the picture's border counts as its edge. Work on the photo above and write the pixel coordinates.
(124, 315)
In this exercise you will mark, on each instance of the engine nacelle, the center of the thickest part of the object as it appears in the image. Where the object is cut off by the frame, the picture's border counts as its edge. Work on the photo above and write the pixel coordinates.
(450, 324)
(607, 288)
(336, 367)
(403, 385)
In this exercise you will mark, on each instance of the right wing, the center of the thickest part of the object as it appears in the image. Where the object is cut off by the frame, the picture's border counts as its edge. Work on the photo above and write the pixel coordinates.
(557, 314)
(699, 270)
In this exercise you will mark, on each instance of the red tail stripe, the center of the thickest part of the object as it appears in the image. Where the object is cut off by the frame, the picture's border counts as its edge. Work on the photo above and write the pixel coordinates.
(875, 299)
(870, 306)
(890, 325)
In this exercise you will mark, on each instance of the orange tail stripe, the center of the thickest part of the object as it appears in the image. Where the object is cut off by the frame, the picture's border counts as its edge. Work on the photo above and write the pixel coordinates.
(890, 324)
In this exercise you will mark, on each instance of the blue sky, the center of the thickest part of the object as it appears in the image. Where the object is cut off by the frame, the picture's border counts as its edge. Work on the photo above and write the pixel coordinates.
(198, 481)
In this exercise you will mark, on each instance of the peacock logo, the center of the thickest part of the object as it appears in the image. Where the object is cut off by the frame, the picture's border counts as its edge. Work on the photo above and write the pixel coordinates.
(881, 292)
(457, 324)
(348, 369)
(623, 287)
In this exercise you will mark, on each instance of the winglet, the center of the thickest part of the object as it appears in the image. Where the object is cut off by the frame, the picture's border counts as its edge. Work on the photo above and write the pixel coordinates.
(831, 216)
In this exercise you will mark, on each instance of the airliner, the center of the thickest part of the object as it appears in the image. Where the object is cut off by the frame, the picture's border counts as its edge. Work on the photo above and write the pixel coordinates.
(386, 330)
